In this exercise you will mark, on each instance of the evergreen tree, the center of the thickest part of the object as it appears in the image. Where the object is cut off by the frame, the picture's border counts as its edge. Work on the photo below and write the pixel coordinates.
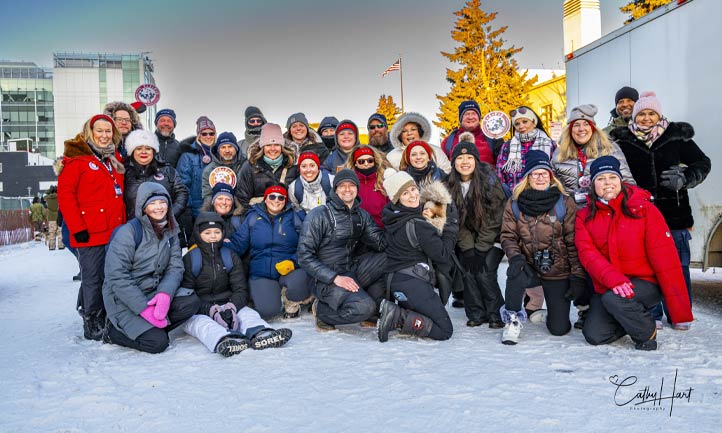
(488, 72)
(639, 8)
(388, 108)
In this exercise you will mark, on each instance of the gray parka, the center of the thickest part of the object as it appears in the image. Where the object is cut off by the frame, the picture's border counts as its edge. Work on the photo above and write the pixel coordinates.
(134, 275)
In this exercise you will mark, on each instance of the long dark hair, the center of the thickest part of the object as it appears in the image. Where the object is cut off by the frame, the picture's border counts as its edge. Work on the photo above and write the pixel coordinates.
(477, 206)
(625, 206)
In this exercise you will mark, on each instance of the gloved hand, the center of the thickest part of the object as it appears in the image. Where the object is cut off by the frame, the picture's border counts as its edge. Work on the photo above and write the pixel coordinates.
(285, 267)
(517, 274)
(470, 261)
(481, 259)
(577, 288)
(624, 290)
(82, 237)
(516, 266)
(673, 178)
(149, 315)
(216, 313)
(161, 300)
(235, 324)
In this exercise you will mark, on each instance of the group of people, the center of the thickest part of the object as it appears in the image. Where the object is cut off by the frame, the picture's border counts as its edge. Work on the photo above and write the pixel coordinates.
(381, 234)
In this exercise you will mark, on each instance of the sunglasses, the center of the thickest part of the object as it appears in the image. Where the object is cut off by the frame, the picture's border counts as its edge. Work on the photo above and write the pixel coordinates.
(377, 126)
(255, 121)
(365, 161)
(208, 134)
(520, 110)
(276, 197)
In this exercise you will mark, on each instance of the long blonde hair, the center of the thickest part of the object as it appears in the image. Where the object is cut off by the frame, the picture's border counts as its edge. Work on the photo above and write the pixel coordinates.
(568, 149)
(524, 184)
(379, 160)
(87, 133)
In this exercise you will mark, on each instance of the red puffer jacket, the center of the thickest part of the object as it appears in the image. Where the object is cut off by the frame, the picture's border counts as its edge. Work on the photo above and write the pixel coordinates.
(86, 194)
(613, 248)
(372, 200)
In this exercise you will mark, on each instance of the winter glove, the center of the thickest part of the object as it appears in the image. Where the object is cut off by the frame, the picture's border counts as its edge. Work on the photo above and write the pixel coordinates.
(481, 259)
(82, 237)
(224, 316)
(234, 324)
(285, 267)
(516, 266)
(577, 288)
(161, 300)
(624, 290)
(149, 315)
(673, 178)
(517, 274)
(470, 261)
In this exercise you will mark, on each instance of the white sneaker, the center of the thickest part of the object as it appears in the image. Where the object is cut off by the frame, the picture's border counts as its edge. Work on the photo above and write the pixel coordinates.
(539, 316)
(510, 334)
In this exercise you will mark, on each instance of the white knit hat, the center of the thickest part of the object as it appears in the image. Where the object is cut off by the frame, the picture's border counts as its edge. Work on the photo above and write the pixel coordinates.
(141, 137)
(396, 182)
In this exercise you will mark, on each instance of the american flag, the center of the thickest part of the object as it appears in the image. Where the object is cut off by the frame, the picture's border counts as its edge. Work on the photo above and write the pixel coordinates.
(395, 67)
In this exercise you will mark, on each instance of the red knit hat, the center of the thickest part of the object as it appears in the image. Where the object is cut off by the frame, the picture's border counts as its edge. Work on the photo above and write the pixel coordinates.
(363, 150)
(407, 152)
(347, 125)
(309, 155)
(277, 189)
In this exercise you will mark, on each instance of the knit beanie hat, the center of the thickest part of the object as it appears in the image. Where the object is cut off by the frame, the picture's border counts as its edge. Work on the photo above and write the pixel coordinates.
(468, 105)
(466, 146)
(377, 116)
(309, 155)
(209, 220)
(523, 113)
(626, 92)
(220, 189)
(155, 197)
(227, 138)
(407, 152)
(271, 134)
(298, 117)
(252, 112)
(647, 101)
(327, 122)
(396, 182)
(583, 112)
(605, 164)
(536, 159)
(165, 112)
(141, 137)
(345, 175)
(275, 189)
(202, 123)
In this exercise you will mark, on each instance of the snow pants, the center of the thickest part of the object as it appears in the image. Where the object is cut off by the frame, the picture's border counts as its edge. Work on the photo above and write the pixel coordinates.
(92, 272)
(482, 294)
(266, 293)
(209, 332)
(557, 304)
(419, 296)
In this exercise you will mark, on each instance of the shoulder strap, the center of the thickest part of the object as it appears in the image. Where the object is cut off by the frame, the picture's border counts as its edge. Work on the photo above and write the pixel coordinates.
(137, 231)
(282, 179)
(252, 221)
(325, 182)
(450, 142)
(515, 209)
(411, 234)
(559, 209)
(236, 222)
(298, 190)
(227, 258)
(196, 261)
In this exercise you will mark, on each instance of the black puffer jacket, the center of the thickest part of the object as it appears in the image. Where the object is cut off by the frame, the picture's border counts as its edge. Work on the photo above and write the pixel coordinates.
(330, 235)
(254, 178)
(169, 149)
(675, 146)
(214, 285)
(158, 172)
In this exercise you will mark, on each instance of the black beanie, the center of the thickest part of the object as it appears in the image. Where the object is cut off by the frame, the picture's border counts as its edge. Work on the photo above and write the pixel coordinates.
(626, 92)
(252, 111)
(464, 147)
(345, 175)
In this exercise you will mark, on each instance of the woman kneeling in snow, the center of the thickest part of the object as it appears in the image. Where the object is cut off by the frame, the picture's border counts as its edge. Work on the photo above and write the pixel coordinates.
(224, 324)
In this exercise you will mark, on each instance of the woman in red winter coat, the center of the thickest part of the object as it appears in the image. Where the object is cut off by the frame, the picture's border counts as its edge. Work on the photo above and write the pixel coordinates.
(369, 166)
(90, 194)
(628, 250)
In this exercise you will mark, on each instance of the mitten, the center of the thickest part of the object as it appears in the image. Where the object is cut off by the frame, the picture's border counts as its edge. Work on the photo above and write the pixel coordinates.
(673, 178)
(82, 237)
(161, 300)
(470, 261)
(215, 313)
(234, 324)
(577, 288)
(149, 315)
(285, 267)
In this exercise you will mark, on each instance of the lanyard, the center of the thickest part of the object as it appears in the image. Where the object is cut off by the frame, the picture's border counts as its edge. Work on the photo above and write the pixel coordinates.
(581, 161)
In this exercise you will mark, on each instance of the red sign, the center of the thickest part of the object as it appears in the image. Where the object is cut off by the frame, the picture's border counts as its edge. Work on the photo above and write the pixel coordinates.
(148, 94)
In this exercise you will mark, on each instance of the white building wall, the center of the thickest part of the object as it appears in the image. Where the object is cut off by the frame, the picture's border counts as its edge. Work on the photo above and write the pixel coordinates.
(114, 78)
(77, 98)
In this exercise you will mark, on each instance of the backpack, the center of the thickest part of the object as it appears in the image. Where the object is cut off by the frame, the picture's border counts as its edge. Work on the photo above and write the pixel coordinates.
(197, 260)
(137, 233)
(236, 222)
(559, 209)
(325, 185)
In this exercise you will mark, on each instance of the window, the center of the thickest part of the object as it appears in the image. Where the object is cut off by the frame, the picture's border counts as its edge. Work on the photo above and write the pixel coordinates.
(1, 185)
(1, 169)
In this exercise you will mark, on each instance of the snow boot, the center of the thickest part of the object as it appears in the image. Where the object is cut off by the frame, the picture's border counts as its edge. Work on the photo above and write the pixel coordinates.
(267, 338)
(93, 324)
(581, 316)
(513, 325)
(648, 345)
(537, 316)
(415, 324)
(389, 319)
(232, 344)
(320, 324)
(291, 309)
(458, 301)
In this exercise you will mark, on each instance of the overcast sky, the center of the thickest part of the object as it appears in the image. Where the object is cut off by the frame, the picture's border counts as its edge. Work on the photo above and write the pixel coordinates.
(321, 57)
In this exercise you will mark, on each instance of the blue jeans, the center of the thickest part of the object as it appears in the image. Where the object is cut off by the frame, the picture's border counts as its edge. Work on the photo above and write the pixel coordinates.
(681, 241)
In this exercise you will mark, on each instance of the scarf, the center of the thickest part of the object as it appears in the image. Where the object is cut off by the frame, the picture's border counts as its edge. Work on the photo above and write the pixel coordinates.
(419, 175)
(651, 134)
(273, 163)
(367, 171)
(107, 152)
(515, 163)
(534, 203)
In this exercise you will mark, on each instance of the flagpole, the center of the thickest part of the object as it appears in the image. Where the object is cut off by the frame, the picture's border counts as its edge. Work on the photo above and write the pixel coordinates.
(401, 76)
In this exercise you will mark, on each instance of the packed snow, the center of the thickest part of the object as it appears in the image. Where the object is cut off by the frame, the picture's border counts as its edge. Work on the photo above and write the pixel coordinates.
(53, 380)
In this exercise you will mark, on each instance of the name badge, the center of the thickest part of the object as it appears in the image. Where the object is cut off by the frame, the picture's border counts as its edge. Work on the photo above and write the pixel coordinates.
(580, 197)
(118, 191)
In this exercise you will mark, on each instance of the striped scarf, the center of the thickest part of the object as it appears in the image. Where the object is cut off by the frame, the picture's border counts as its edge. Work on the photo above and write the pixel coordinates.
(651, 134)
(515, 163)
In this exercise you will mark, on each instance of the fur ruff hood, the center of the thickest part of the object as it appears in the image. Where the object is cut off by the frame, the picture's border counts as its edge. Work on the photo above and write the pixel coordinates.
(436, 197)
(112, 107)
(417, 118)
(74, 148)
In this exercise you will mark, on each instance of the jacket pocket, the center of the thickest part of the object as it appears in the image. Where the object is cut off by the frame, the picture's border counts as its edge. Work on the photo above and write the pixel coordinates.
(95, 216)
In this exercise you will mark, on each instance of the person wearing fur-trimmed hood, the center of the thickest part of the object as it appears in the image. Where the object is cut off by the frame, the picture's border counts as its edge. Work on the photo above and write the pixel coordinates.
(126, 119)
(408, 128)
(419, 239)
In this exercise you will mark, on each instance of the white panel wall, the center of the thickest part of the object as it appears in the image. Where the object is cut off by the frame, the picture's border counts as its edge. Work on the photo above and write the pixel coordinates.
(114, 78)
(77, 96)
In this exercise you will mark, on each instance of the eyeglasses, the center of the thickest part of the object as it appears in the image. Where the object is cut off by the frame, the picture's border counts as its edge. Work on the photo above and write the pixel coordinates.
(377, 126)
(520, 110)
(277, 197)
(121, 120)
(365, 161)
(207, 134)
(255, 121)
(543, 174)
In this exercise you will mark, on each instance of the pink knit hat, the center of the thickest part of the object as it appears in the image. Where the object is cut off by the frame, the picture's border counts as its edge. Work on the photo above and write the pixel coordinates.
(271, 134)
(647, 101)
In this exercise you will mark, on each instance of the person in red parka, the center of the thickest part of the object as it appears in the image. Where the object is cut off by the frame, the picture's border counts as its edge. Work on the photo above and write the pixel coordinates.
(90, 194)
(470, 121)
(369, 165)
(627, 248)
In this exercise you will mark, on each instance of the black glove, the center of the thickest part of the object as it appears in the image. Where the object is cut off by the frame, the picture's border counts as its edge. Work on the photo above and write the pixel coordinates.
(516, 266)
(577, 288)
(471, 261)
(82, 237)
(673, 178)
(517, 274)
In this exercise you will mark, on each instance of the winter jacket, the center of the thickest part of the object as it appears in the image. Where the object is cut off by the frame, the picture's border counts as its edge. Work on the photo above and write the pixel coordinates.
(37, 212)
(313, 143)
(231, 221)
(614, 248)
(214, 284)
(430, 174)
(87, 194)
(372, 200)
(254, 179)
(271, 240)
(528, 234)
(158, 172)
(313, 192)
(616, 121)
(51, 199)
(190, 168)
(512, 179)
(218, 171)
(335, 161)
(169, 149)
(249, 141)
(133, 275)
(675, 146)
(482, 234)
(394, 157)
(488, 147)
(330, 235)
(568, 173)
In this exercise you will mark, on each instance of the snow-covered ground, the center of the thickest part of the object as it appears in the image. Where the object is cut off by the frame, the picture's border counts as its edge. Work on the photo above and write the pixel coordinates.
(52, 380)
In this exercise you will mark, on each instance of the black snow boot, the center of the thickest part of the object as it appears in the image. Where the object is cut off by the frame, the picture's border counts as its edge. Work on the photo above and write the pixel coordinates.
(458, 299)
(582, 311)
(232, 344)
(93, 324)
(389, 319)
(270, 338)
(648, 345)
(416, 324)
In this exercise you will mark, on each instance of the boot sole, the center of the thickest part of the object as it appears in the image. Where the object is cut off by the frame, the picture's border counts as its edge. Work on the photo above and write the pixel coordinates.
(509, 342)
(320, 325)
(277, 338)
(380, 323)
(231, 347)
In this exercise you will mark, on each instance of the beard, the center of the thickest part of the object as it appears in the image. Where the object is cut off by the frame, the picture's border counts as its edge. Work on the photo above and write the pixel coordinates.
(378, 140)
